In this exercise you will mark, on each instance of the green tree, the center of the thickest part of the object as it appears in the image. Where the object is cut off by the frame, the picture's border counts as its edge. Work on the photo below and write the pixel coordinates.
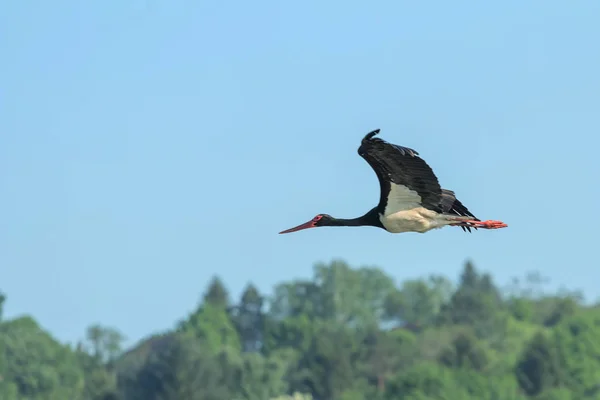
(213, 326)
(337, 293)
(295, 396)
(182, 370)
(292, 333)
(476, 303)
(521, 309)
(384, 353)
(264, 377)
(100, 379)
(297, 298)
(539, 368)
(249, 319)
(426, 381)
(346, 333)
(327, 368)
(36, 364)
(103, 343)
(216, 294)
(464, 352)
(562, 308)
(418, 302)
(352, 296)
(577, 343)
(2, 301)
(212, 322)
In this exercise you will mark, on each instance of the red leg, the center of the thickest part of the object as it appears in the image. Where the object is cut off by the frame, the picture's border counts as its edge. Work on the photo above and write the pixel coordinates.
(489, 224)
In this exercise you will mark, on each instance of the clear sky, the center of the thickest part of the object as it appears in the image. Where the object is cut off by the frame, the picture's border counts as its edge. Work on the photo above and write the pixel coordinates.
(147, 145)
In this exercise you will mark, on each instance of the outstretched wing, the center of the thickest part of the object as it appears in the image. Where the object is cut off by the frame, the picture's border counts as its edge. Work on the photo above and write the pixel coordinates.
(451, 205)
(405, 179)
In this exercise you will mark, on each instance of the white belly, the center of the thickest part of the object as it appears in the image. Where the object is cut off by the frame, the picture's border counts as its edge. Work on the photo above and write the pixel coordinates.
(418, 219)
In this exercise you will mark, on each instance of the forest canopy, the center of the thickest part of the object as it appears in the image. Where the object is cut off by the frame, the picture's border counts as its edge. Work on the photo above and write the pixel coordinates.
(344, 334)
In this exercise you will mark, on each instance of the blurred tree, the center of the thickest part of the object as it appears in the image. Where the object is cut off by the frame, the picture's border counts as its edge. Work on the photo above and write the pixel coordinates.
(352, 296)
(8, 390)
(559, 394)
(426, 381)
(295, 396)
(264, 377)
(292, 333)
(182, 370)
(8, 387)
(2, 301)
(249, 319)
(216, 294)
(103, 343)
(100, 381)
(130, 364)
(355, 297)
(297, 298)
(347, 334)
(418, 302)
(383, 353)
(538, 368)
(577, 344)
(327, 368)
(476, 303)
(213, 325)
(562, 308)
(464, 352)
(212, 322)
(521, 309)
(37, 365)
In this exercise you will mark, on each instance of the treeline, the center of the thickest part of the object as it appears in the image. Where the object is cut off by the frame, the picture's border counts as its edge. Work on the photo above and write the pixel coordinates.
(346, 334)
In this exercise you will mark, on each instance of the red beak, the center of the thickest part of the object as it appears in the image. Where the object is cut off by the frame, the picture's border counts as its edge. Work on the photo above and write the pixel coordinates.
(306, 225)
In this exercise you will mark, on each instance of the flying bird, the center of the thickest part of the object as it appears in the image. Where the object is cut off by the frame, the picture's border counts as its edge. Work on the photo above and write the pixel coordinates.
(411, 198)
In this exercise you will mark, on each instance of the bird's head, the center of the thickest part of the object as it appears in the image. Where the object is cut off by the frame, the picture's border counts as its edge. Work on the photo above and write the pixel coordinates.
(318, 220)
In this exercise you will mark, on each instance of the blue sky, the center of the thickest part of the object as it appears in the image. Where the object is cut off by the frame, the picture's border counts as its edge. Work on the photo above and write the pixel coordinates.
(146, 146)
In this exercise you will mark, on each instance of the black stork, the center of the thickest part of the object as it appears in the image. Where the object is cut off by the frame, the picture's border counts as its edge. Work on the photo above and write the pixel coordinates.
(411, 199)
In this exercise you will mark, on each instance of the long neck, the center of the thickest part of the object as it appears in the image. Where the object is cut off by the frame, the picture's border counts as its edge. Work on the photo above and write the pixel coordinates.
(369, 219)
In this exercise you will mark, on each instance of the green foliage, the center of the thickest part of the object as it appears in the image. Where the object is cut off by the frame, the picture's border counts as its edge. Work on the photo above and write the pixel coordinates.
(418, 302)
(426, 380)
(344, 334)
(2, 300)
(521, 309)
(476, 303)
(295, 396)
(249, 319)
(337, 293)
(464, 352)
(216, 294)
(182, 369)
(100, 379)
(578, 349)
(37, 365)
(215, 328)
(264, 377)
(538, 368)
(212, 322)
(104, 343)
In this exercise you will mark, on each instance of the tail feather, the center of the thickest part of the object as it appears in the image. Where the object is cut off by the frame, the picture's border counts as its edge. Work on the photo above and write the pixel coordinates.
(451, 205)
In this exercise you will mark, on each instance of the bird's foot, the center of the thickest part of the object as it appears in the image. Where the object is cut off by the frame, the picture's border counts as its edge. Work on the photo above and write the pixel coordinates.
(489, 224)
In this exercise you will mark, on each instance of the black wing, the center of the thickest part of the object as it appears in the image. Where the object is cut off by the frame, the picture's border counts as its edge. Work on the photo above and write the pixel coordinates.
(401, 166)
(451, 205)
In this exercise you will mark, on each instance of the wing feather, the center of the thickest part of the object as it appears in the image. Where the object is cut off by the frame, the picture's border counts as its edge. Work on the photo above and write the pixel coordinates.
(401, 171)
